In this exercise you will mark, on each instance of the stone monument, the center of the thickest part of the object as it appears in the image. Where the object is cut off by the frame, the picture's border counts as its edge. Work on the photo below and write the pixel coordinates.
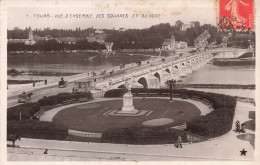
(128, 101)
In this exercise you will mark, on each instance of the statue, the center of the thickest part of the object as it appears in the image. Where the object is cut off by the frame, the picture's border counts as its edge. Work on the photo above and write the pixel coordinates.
(128, 100)
(128, 86)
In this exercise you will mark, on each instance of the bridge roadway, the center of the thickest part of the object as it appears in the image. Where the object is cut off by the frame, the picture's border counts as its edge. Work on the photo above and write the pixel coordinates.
(102, 80)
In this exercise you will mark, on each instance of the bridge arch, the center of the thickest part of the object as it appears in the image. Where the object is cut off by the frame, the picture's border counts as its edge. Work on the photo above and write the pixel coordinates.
(176, 67)
(143, 81)
(158, 76)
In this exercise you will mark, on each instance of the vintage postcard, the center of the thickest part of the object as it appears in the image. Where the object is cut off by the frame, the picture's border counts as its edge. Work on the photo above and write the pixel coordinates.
(129, 81)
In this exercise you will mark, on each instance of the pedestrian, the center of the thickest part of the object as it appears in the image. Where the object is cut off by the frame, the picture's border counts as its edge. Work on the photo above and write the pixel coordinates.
(179, 141)
(237, 126)
(33, 84)
(46, 151)
(45, 82)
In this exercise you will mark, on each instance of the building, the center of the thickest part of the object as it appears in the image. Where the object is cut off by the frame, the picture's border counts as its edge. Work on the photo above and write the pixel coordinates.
(68, 40)
(32, 39)
(181, 45)
(184, 27)
(121, 29)
(28, 41)
(224, 42)
(100, 38)
(109, 46)
(169, 44)
(99, 31)
(201, 40)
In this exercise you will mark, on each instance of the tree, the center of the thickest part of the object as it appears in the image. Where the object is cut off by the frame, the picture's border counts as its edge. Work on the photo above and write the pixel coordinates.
(171, 83)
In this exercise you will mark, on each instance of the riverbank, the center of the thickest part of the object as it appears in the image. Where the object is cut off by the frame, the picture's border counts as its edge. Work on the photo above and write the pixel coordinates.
(247, 93)
(234, 62)
(220, 86)
(14, 72)
(22, 81)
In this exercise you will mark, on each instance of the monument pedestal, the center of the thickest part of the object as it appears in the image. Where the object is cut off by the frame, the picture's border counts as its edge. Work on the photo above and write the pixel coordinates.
(128, 104)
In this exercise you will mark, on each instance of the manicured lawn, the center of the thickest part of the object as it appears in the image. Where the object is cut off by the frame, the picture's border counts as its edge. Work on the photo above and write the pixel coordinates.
(89, 117)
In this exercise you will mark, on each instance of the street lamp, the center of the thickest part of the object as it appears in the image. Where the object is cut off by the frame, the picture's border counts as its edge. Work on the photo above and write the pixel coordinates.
(171, 83)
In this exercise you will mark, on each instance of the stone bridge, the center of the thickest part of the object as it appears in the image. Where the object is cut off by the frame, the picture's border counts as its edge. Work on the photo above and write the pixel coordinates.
(230, 52)
(155, 76)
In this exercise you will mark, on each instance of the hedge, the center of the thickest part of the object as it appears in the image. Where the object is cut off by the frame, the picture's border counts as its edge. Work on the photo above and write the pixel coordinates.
(59, 98)
(27, 110)
(37, 129)
(143, 135)
(216, 123)
(115, 93)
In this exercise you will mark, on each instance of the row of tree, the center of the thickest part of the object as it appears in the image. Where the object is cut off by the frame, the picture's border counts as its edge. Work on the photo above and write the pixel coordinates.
(54, 45)
(17, 33)
(152, 37)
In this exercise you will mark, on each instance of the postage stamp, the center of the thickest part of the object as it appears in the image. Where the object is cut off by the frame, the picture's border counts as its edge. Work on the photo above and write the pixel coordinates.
(129, 81)
(236, 15)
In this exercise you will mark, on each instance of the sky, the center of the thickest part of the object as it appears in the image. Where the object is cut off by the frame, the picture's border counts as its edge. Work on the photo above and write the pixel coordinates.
(43, 17)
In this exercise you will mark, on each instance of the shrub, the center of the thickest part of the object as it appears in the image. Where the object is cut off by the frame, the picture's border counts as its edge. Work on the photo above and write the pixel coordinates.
(27, 110)
(59, 98)
(214, 124)
(115, 93)
(142, 135)
(37, 129)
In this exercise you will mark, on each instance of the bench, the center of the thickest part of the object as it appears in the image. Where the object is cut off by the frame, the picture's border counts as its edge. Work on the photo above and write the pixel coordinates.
(203, 101)
(207, 102)
(195, 98)
(84, 99)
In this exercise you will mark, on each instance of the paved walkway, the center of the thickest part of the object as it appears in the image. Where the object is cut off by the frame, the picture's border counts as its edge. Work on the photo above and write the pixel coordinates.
(227, 147)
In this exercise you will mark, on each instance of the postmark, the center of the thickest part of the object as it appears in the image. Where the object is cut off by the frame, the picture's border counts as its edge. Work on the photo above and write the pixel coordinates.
(236, 15)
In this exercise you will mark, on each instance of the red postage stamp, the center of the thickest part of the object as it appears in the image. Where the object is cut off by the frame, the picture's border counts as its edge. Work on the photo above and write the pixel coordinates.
(236, 15)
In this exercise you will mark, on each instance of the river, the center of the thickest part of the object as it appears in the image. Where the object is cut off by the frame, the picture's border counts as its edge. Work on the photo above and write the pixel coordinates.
(208, 74)
(67, 63)
(211, 74)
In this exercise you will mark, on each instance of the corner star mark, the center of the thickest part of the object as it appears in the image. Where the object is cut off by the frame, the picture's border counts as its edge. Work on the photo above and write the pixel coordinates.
(243, 152)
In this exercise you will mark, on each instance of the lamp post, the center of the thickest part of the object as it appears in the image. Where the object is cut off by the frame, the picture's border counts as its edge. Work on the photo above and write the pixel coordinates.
(171, 83)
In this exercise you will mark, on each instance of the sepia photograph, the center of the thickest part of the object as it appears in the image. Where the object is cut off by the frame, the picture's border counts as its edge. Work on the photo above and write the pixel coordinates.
(129, 81)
